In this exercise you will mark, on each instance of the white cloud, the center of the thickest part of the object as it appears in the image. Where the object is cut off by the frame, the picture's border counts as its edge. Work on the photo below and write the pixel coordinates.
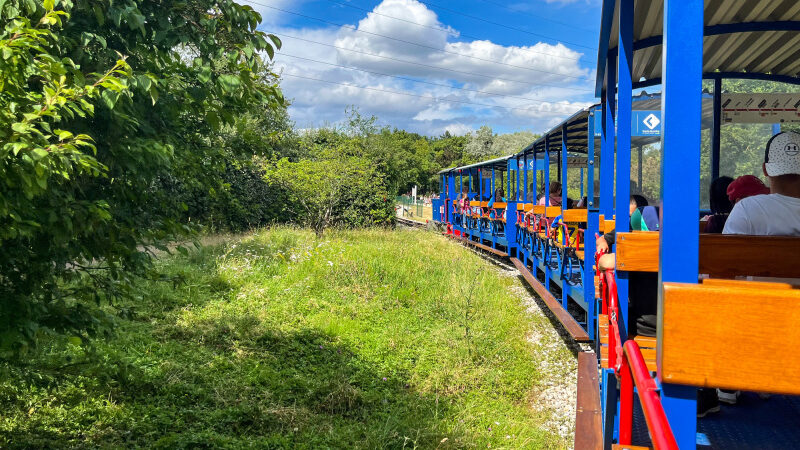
(535, 75)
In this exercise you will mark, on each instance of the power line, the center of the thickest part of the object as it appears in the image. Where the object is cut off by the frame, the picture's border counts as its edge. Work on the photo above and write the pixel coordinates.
(368, 11)
(428, 97)
(424, 65)
(537, 16)
(500, 24)
(413, 43)
(420, 81)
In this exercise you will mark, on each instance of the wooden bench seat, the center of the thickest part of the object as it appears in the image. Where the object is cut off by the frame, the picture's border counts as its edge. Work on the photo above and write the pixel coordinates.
(721, 256)
(737, 336)
(646, 344)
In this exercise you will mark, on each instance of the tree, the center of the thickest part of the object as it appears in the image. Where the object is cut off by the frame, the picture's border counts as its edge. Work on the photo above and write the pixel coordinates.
(100, 101)
(479, 145)
(332, 189)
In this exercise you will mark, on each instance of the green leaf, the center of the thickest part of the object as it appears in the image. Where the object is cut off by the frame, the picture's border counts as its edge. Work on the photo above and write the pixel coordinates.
(270, 51)
(230, 83)
(7, 53)
(49, 5)
(276, 40)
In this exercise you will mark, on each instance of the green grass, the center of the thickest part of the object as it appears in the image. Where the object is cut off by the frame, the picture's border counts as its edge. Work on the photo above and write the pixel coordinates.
(365, 339)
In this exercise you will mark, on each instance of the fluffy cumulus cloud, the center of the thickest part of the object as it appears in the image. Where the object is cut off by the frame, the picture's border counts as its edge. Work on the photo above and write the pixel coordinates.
(402, 64)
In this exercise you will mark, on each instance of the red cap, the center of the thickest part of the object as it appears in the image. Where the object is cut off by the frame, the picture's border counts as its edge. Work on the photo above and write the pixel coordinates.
(746, 186)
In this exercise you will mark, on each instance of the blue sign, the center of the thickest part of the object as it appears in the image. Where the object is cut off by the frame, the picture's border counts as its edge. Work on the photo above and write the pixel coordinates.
(532, 164)
(643, 124)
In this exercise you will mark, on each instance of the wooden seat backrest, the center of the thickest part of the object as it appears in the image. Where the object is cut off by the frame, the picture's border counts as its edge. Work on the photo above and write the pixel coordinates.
(730, 337)
(575, 215)
(552, 211)
(499, 205)
(721, 255)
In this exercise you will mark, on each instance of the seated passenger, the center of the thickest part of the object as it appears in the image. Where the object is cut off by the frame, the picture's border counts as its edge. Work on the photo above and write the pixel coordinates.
(746, 186)
(555, 194)
(530, 195)
(778, 213)
(497, 197)
(720, 205)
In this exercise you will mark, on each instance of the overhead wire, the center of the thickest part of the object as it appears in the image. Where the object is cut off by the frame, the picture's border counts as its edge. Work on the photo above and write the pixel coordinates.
(428, 97)
(494, 94)
(425, 65)
(449, 31)
(415, 43)
(444, 8)
(537, 16)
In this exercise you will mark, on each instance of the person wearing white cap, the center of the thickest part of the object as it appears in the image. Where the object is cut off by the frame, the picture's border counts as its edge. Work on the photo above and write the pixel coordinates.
(777, 213)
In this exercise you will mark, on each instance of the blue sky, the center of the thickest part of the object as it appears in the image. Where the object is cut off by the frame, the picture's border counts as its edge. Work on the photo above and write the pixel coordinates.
(434, 65)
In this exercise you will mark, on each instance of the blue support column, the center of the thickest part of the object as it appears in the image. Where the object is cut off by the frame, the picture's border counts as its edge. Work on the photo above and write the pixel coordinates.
(492, 190)
(546, 181)
(682, 65)
(451, 195)
(534, 195)
(609, 139)
(776, 128)
(517, 193)
(624, 118)
(582, 176)
(589, 245)
(716, 128)
(525, 176)
(565, 288)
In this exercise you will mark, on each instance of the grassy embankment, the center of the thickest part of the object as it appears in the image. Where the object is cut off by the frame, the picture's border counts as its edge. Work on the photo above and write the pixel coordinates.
(369, 339)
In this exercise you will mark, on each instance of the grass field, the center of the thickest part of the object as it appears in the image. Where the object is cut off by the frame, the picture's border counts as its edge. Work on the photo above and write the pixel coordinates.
(364, 339)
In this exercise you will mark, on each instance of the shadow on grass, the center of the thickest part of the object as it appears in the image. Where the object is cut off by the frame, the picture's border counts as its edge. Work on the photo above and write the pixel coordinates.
(236, 382)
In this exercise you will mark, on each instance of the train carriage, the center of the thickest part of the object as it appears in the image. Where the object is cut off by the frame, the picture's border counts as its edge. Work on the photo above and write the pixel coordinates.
(715, 327)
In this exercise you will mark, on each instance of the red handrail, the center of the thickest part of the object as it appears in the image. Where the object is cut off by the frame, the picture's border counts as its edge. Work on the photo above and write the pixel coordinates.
(629, 365)
(657, 424)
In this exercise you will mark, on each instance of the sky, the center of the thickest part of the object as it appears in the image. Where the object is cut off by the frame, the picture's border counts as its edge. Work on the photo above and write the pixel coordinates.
(430, 66)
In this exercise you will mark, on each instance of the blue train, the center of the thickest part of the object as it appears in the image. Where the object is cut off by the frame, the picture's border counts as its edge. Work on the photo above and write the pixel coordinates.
(713, 325)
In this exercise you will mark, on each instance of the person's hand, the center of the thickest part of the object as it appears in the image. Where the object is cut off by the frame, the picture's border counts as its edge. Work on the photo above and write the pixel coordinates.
(602, 245)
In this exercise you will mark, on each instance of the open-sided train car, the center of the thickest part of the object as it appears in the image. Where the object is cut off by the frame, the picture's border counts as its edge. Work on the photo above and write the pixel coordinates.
(714, 329)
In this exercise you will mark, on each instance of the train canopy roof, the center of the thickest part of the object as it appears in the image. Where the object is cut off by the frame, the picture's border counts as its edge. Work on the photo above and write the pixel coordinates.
(743, 39)
(577, 128)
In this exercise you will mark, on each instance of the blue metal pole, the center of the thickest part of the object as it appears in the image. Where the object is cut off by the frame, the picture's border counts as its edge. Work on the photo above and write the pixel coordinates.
(682, 66)
(525, 176)
(589, 244)
(608, 139)
(516, 194)
(565, 288)
(564, 167)
(776, 128)
(546, 179)
(624, 118)
(582, 175)
(716, 128)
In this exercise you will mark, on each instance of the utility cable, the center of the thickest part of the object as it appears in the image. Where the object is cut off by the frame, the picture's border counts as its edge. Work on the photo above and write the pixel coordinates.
(422, 64)
(537, 16)
(428, 97)
(446, 30)
(545, 101)
(415, 43)
(444, 8)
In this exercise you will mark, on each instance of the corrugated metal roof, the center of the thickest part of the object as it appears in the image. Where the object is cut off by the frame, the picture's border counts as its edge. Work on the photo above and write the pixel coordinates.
(742, 36)
(497, 163)
(577, 126)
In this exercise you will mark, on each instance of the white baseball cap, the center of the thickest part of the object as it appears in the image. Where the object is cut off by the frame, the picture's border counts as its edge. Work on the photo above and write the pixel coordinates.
(783, 154)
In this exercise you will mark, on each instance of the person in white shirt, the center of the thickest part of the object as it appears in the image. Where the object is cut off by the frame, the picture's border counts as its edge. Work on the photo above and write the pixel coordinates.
(777, 213)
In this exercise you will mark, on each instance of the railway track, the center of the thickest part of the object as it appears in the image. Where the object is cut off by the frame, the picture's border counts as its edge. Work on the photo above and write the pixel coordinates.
(411, 223)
